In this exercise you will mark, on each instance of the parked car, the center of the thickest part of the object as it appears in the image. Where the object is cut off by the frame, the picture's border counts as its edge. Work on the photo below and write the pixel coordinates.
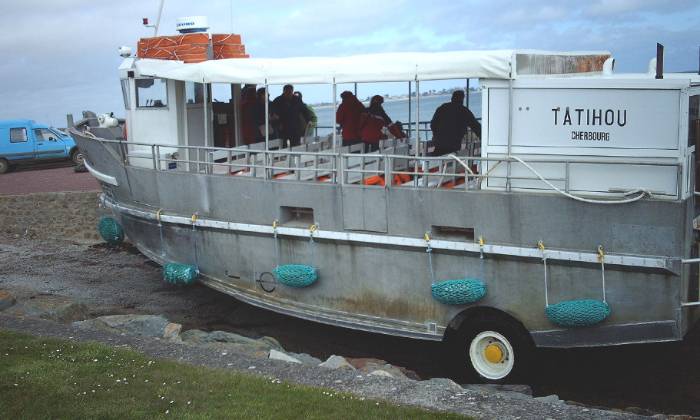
(24, 141)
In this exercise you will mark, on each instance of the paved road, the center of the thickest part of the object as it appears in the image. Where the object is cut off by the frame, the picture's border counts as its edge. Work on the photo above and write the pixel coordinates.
(661, 377)
(51, 177)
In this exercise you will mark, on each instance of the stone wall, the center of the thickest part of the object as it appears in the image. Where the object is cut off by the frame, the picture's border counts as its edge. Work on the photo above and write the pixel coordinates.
(61, 215)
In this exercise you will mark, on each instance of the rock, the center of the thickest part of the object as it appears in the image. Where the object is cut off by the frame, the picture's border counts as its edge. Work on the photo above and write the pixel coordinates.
(337, 362)
(552, 399)
(512, 391)
(172, 331)
(6, 300)
(367, 365)
(306, 358)
(53, 307)
(274, 344)
(640, 411)
(443, 383)
(143, 325)
(203, 337)
(380, 372)
(278, 355)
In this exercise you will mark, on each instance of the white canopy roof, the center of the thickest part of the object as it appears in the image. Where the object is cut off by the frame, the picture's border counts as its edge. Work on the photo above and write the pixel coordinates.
(388, 67)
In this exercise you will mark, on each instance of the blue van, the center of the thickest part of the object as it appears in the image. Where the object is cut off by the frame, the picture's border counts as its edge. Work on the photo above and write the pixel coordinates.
(23, 141)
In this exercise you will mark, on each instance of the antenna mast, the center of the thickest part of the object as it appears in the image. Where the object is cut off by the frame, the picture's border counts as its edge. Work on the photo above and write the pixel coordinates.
(160, 13)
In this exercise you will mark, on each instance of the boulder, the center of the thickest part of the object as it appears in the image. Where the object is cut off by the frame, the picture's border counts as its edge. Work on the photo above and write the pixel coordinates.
(552, 399)
(306, 359)
(278, 355)
(143, 325)
(337, 362)
(223, 337)
(6, 300)
(380, 372)
(53, 307)
(444, 383)
(367, 365)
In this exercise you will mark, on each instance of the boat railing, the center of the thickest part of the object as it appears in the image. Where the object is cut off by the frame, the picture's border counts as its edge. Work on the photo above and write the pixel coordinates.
(393, 167)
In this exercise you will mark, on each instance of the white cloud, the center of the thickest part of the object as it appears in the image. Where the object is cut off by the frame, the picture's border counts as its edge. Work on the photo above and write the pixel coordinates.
(63, 52)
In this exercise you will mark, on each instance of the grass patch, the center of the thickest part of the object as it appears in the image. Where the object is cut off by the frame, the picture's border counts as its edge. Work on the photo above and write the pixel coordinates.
(50, 378)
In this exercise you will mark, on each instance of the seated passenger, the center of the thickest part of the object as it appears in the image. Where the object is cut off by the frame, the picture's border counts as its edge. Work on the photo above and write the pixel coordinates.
(450, 123)
(348, 117)
(260, 116)
(309, 126)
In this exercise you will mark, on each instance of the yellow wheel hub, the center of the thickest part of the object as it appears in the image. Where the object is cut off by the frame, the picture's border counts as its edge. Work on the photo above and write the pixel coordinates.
(493, 353)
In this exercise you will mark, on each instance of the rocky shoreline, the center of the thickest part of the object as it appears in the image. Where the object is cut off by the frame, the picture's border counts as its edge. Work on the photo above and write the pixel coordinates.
(155, 336)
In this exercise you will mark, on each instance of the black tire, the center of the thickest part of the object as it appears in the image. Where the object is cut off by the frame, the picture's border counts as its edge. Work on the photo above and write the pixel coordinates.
(478, 331)
(4, 166)
(77, 157)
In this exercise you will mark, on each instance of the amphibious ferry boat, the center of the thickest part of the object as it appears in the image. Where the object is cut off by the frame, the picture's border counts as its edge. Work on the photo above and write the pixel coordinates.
(569, 223)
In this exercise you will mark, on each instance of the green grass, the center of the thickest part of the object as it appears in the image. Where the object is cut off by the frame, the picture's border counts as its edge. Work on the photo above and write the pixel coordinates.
(49, 378)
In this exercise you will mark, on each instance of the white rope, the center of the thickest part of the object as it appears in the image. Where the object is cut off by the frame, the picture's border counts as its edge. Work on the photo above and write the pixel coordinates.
(641, 193)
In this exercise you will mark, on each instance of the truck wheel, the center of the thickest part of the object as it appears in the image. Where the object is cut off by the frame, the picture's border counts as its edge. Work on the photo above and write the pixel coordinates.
(77, 157)
(491, 350)
(4, 166)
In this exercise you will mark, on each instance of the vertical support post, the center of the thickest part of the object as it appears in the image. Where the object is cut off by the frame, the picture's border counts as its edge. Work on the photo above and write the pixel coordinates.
(417, 150)
(160, 13)
(510, 130)
(267, 118)
(236, 105)
(355, 89)
(157, 157)
(409, 109)
(335, 108)
(659, 61)
(467, 93)
(206, 114)
(153, 156)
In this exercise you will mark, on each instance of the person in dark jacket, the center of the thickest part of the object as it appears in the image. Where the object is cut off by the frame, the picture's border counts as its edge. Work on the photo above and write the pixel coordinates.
(450, 123)
(372, 123)
(291, 111)
(376, 108)
(348, 116)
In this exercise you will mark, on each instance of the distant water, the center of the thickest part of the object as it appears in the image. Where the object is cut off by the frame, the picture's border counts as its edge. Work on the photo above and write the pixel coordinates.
(398, 110)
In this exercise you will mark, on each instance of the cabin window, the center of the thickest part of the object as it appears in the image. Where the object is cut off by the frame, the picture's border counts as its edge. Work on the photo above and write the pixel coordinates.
(44, 134)
(151, 93)
(194, 92)
(125, 93)
(694, 121)
(18, 135)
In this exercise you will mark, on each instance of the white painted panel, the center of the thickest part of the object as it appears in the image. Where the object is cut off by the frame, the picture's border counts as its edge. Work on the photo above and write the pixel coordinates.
(603, 178)
(597, 119)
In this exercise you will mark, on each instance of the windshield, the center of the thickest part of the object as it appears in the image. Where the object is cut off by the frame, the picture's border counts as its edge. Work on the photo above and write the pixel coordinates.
(58, 132)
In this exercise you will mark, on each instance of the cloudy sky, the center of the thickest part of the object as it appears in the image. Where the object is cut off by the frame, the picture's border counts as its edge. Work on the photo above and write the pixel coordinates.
(60, 56)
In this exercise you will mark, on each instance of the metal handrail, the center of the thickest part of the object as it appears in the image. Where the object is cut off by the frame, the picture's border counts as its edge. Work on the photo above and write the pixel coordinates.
(338, 166)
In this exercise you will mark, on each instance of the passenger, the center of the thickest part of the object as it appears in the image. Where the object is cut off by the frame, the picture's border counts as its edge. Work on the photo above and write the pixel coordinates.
(291, 112)
(375, 108)
(249, 127)
(348, 117)
(450, 123)
(372, 123)
(260, 116)
(311, 124)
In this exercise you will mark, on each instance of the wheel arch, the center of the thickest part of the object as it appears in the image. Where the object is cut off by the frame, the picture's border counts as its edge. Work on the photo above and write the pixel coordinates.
(483, 312)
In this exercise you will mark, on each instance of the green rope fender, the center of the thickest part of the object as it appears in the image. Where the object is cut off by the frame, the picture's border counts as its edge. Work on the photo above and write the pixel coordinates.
(295, 275)
(578, 313)
(184, 274)
(110, 230)
(459, 291)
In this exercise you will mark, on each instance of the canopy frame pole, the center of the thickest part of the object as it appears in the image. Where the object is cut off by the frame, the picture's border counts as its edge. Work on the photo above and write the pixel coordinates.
(205, 112)
(417, 151)
(410, 117)
(467, 93)
(267, 131)
(510, 130)
(335, 122)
